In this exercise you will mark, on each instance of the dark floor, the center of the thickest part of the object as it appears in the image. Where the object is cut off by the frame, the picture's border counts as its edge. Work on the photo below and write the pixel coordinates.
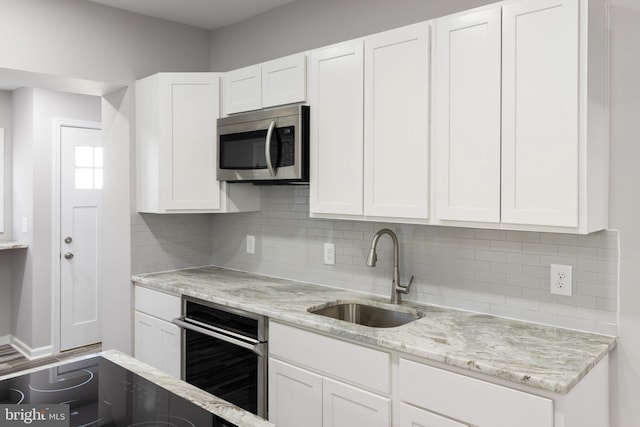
(15, 362)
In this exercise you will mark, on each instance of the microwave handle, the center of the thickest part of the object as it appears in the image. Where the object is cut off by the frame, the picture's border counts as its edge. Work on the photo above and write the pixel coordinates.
(267, 148)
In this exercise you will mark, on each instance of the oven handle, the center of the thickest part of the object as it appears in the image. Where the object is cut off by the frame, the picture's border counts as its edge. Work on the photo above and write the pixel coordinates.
(267, 148)
(254, 345)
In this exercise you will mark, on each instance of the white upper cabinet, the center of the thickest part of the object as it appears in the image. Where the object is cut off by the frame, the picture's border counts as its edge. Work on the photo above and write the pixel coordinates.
(336, 104)
(466, 116)
(242, 89)
(522, 146)
(396, 132)
(278, 82)
(370, 127)
(284, 81)
(540, 141)
(175, 147)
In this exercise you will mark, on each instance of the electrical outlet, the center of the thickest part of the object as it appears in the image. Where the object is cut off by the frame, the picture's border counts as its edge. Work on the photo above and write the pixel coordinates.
(25, 225)
(561, 280)
(251, 244)
(329, 254)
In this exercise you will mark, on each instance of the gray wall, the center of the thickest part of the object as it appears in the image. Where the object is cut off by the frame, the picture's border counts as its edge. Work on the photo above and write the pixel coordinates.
(34, 112)
(5, 122)
(625, 205)
(307, 24)
(6, 256)
(55, 43)
(78, 38)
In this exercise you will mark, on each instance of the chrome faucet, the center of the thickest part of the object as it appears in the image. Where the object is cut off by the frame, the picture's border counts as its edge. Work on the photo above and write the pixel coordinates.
(396, 288)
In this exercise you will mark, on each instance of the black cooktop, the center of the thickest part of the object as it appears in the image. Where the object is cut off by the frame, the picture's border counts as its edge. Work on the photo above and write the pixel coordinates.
(102, 393)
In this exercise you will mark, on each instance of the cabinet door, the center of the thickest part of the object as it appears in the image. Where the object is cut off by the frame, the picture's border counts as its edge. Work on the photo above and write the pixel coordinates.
(295, 396)
(284, 80)
(466, 116)
(335, 97)
(414, 417)
(242, 90)
(346, 406)
(157, 343)
(396, 138)
(540, 85)
(189, 109)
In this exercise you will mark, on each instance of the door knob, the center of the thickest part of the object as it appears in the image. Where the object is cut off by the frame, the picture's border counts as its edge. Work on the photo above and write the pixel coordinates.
(68, 255)
(68, 240)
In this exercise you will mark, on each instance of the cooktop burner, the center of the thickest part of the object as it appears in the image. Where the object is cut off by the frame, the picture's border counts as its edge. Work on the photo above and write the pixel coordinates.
(102, 393)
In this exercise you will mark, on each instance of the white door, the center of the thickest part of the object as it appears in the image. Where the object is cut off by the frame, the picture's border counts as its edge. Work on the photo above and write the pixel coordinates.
(347, 406)
(336, 97)
(295, 396)
(80, 199)
(157, 343)
(242, 90)
(540, 84)
(284, 81)
(466, 137)
(396, 131)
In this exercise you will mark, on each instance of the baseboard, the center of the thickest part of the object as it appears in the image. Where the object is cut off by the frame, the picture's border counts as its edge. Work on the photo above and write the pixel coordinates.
(5, 340)
(28, 352)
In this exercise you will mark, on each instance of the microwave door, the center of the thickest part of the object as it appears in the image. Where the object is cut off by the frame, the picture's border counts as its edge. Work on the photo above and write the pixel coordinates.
(252, 155)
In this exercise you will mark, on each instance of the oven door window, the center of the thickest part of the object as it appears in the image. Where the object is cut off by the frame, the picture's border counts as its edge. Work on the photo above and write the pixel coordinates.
(224, 370)
(246, 150)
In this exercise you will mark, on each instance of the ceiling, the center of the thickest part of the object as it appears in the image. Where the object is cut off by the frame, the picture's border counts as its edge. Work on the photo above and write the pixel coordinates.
(206, 14)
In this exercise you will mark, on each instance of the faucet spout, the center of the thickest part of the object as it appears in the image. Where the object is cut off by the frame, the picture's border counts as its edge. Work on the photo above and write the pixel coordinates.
(397, 289)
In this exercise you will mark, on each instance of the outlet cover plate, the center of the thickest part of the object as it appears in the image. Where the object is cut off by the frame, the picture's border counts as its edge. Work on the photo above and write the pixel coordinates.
(251, 244)
(560, 281)
(329, 254)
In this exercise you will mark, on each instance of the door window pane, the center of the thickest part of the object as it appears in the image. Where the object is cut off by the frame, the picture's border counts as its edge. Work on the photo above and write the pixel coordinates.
(88, 173)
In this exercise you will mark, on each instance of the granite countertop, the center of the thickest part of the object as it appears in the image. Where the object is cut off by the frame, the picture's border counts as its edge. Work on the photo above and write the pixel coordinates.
(211, 403)
(5, 246)
(544, 357)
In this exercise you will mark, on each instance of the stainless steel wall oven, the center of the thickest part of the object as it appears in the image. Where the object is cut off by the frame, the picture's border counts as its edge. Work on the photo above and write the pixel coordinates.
(225, 353)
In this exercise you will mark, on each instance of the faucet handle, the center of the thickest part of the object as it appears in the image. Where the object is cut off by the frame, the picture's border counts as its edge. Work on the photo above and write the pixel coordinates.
(405, 289)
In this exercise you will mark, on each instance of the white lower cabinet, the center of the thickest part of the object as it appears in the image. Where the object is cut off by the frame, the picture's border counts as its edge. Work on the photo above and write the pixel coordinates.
(345, 406)
(315, 381)
(411, 416)
(157, 341)
(300, 397)
(295, 396)
(476, 402)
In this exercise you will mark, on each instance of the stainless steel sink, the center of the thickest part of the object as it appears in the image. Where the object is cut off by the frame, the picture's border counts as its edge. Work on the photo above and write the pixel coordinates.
(367, 315)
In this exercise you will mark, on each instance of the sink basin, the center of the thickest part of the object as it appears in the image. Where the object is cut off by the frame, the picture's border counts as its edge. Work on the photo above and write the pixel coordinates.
(365, 314)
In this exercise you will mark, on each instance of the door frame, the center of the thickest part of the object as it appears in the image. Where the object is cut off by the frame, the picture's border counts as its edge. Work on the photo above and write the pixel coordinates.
(58, 124)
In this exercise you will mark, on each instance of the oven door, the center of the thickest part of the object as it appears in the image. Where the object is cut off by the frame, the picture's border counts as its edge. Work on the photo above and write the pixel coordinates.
(225, 353)
(233, 373)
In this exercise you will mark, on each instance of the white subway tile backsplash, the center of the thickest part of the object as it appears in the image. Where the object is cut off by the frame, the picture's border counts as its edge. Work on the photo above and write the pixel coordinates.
(523, 236)
(489, 271)
(504, 246)
(540, 248)
(491, 234)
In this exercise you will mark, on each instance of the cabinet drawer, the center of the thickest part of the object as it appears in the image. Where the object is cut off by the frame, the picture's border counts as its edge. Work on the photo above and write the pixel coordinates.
(163, 306)
(476, 402)
(352, 363)
(413, 417)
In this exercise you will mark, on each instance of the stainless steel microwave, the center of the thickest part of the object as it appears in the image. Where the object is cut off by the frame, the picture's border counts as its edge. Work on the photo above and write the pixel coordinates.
(265, 147)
